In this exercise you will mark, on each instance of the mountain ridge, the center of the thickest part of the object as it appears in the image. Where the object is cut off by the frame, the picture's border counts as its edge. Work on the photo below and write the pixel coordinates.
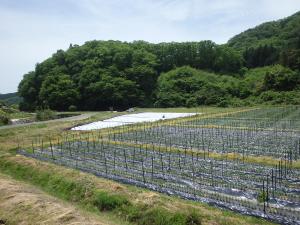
(263, 33)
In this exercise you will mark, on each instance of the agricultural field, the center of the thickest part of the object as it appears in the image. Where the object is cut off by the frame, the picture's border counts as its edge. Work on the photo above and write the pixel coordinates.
(246, 159)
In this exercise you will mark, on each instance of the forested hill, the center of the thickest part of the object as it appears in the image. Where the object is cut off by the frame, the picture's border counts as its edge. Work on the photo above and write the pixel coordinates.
(271, 42)
(101, 74)
(10, 98)
(284, 33)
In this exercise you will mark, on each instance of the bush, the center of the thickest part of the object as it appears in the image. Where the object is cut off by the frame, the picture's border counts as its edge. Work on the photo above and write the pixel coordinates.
(223, 103)
(270, 96)
(156, 216)
(280, 78)
(25, 106)
(4, 118)
(191, 102)
(194, 218)
(262, 196)
(132, 212)
(46, 114)
(160, 216)
(189, 87)
(72, 108)
(284, 97)
(105, 202)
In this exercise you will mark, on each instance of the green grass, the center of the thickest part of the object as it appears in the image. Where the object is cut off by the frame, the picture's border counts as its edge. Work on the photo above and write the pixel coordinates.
(155, 216)
(89, 197)
(18, 115)
(105, 202)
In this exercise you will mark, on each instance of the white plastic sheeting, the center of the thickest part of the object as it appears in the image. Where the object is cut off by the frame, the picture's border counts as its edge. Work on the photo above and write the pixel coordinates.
(131, 119)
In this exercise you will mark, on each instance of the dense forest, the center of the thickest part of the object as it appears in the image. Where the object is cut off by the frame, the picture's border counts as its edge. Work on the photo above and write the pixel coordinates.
(260, 65)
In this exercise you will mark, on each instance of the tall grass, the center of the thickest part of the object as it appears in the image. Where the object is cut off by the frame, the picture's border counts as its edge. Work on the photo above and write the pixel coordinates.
(46, 114)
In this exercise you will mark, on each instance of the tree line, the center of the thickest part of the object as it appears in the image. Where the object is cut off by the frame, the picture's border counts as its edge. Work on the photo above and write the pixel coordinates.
(103, 74)
(259, 65)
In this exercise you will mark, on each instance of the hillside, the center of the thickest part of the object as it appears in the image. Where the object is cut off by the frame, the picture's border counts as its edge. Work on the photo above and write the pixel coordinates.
(284, 33)
(270, 43)
(102, 74)
(10, 98)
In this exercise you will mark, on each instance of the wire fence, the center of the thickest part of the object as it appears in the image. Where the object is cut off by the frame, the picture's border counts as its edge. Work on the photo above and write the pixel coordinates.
(184, 158)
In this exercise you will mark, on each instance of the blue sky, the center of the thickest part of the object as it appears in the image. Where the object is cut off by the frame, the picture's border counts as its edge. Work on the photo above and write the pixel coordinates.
(32, 30)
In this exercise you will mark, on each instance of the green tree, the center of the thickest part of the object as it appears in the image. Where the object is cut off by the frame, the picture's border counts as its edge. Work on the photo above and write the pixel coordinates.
(186, 86)
(280, 78)
(58, 92)
(28, 90)
(113, 92)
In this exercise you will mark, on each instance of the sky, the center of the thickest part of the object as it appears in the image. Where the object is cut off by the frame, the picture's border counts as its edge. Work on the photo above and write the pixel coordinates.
(32, 30)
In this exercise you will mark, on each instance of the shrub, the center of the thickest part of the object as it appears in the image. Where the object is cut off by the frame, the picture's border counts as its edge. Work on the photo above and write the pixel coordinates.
(132, 212)
(46, 114)
(72, 108)
(262, 196)
(4, 118)
(191, 102)
(194, 218)
(7, 109)
(223, 103)
(268, 96)
(280, 78)
(105, 202)
(156, 216)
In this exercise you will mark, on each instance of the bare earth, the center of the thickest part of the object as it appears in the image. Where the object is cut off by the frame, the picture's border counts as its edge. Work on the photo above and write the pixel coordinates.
(23, 204)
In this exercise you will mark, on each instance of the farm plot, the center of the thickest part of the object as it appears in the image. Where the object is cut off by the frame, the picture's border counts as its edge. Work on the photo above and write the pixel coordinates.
(179, 158)
(247, 188)
(273, 143)
(235, 135)
(268, 113)
(286, 118)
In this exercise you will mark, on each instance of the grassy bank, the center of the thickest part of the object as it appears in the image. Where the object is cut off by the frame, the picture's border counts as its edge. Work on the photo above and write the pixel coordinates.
(132, 204)
(89, 197)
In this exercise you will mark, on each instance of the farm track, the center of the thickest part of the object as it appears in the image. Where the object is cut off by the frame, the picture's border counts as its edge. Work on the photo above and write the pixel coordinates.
(66, 119)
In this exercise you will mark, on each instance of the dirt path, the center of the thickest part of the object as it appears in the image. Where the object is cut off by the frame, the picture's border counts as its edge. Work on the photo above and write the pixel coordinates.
(72, 118)
(23, 204)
